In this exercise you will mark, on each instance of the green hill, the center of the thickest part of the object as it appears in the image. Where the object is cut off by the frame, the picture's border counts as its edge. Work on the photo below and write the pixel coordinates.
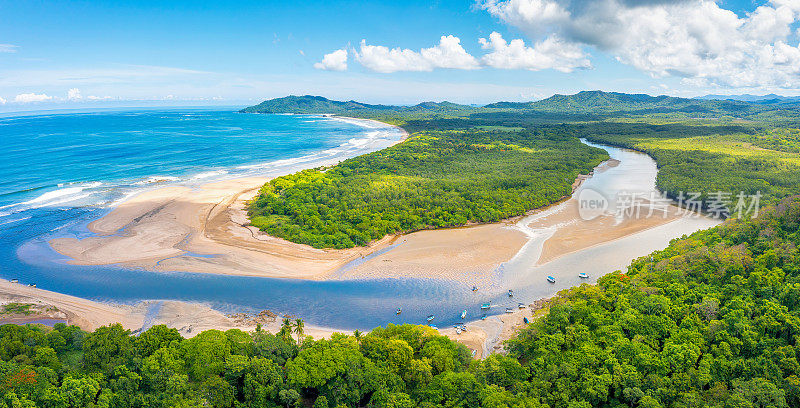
(308, 104)
(311, 104)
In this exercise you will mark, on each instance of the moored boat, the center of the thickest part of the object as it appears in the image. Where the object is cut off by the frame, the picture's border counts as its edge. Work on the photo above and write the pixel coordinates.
(485, 306)
(464, 314)
(551, 279)
(399, 310)
(430, 317)
(510, 293)
(583, 275)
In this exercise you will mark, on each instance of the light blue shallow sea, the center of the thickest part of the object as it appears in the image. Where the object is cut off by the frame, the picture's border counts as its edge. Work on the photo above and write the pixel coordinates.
(59, 171)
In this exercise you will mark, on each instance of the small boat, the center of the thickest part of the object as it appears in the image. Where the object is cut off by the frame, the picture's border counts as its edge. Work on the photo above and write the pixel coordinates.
(551, 279)
(509, 310)
(458, 330)
(399, 310)
(521, 305)
(464, 314)
(474, 288)
(433, 327)
(430, 317)
(483, 317)
(33, 285)
(474, 352)
(14, 280)
(463, 327)
(583, 275)
(510, 293)
(486, 306)
(525, 319)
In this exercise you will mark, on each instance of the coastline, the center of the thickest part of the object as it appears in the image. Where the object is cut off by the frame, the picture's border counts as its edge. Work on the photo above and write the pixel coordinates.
(204, 229)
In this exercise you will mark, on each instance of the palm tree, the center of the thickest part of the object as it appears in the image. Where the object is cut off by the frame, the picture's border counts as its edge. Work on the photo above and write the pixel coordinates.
(298, 328)
(357, 335)
(286, 328)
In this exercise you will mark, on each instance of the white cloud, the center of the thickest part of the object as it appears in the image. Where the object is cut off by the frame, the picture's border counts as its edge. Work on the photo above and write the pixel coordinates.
(8, 48)
(335, 61)
(31, 97)
(74, 94)
(551, 53)
(447, 54)
(694, 39)
(2, 101)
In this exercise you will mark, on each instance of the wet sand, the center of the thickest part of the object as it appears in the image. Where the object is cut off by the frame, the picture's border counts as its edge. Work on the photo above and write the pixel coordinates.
(188, 318)
(204, 229)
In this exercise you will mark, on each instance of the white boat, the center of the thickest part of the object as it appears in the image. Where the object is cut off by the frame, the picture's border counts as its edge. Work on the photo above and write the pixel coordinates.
(464, 314)
(509, 310)
(583, 275)
(399, 310)
(551, 279)
(486, 305)
(483, 317)
(510, 293)
(430, 318)
(521, 305)
(458, 330)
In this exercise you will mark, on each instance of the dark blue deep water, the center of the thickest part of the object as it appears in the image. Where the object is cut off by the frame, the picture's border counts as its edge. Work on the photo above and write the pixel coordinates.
(60, 171)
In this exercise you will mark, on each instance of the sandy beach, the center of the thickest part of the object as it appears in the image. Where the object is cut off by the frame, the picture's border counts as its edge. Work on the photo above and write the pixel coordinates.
(188, 318)
(483, 336)
(205, 229)
(165, 229)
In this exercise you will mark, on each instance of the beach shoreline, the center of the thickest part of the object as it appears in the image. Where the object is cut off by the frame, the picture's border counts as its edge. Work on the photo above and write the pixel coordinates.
(170, 226)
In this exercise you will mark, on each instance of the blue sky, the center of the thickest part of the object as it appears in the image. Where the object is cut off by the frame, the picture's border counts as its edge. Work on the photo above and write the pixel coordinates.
(205, 52)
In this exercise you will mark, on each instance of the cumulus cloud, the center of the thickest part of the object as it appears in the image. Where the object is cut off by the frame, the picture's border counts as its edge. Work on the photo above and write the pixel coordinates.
(74, 94)
(335, 61)
(694, 39)
(447, 54)
(8, 48)
(31, 97)
(551, 53)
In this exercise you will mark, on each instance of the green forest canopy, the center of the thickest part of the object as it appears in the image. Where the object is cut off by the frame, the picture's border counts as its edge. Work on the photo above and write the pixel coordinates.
(712, 320)
(435, 179)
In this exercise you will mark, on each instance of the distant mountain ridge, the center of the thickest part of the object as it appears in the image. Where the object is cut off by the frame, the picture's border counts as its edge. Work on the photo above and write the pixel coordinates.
(751, 98)
(585, 105)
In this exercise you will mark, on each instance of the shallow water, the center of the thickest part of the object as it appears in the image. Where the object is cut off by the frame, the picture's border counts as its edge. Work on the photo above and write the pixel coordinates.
(60, 172)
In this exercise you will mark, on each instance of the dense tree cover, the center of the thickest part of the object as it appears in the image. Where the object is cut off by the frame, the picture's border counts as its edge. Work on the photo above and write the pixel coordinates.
(711, 158)
(712, 320)
(397, 366)
(435, 179)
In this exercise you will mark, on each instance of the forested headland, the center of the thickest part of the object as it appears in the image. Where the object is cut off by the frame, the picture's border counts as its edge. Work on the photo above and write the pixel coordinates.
(436, 179)
(464, 164)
